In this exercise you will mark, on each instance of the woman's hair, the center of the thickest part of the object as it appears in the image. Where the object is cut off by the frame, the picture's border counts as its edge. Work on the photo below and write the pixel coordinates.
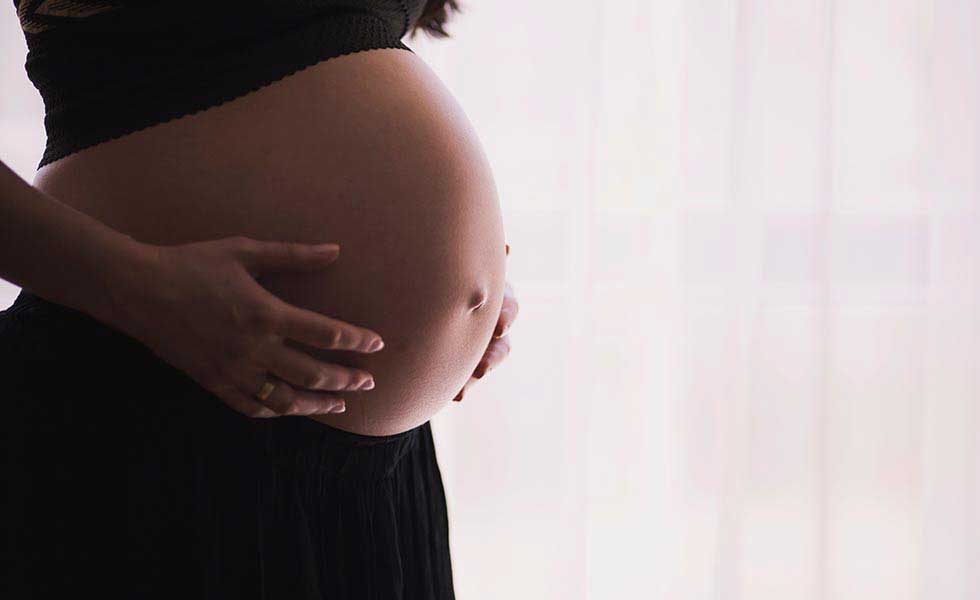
(434, 16)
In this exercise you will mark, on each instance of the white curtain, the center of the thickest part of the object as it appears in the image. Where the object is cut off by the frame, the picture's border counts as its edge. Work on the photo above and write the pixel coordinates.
(745, 236)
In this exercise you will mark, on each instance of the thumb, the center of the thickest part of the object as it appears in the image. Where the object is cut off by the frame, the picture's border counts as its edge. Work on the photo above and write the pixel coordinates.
(261, 256)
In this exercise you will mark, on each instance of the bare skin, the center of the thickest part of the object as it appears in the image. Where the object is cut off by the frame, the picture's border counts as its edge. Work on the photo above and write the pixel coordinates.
(367, 150)
(198, 306)
(499, 347)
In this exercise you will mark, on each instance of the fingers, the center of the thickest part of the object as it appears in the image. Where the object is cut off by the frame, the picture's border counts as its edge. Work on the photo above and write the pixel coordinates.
(259, 256)
(245, 405)
(305, 372)
(499, 347)
(302, 325)
(288, 401)
(287, 397)
(320, 331)
(495, 354)
(508, 312)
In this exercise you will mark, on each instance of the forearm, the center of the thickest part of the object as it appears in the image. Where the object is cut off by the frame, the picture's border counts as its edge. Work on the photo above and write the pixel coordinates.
(60, 253)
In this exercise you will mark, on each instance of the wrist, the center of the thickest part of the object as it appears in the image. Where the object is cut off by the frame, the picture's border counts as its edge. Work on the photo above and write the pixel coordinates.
(125, 277)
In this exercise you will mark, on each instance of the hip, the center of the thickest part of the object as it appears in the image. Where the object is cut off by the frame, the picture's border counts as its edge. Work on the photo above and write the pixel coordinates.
(188, 497)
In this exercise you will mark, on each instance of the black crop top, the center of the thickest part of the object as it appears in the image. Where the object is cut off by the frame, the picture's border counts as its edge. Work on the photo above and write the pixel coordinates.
(108, 68)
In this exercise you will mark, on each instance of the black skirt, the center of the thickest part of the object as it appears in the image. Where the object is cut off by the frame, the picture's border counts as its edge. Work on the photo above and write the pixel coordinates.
(126, 479)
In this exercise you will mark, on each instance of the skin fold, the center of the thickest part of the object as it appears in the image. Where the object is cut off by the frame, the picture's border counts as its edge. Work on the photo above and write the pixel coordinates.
(367, 150)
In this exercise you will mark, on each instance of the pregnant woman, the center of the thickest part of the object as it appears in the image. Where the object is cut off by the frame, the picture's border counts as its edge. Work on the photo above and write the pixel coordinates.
(262, 249)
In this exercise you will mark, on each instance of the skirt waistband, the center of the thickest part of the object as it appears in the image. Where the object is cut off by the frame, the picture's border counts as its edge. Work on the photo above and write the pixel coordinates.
(32, 306)
(29, 301)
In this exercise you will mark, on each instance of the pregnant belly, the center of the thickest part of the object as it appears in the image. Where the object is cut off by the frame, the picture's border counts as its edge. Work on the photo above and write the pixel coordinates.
(368, 150)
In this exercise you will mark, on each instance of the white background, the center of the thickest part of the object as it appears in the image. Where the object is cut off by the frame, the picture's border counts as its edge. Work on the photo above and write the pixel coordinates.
(745, 237)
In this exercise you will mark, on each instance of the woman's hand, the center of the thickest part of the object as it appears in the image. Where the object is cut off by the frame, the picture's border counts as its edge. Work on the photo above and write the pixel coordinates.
(499, 346)
(198, 307)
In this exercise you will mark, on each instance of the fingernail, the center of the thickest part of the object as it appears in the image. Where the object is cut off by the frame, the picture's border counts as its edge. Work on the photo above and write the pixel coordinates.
(459, 397)
(338, 408)
(507, 248)
(376, 345)
(481, 370)
(327, 248)
(367, 385)
(498, 331)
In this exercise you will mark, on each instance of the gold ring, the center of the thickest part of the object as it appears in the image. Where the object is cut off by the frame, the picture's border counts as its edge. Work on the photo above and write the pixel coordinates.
(266, 390)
